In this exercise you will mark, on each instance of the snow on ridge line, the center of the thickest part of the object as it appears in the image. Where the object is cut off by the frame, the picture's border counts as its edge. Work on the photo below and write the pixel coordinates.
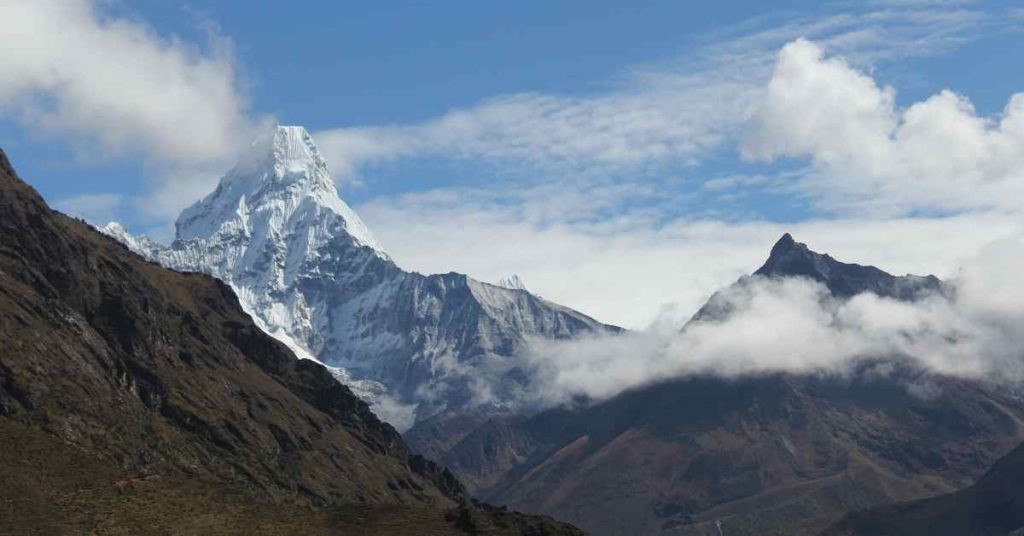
(307, 269)
(372, 392)
(283, 172)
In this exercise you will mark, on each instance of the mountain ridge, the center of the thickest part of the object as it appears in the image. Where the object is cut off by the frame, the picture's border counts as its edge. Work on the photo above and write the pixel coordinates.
(789, 258)
(277, 232)
(138, 399)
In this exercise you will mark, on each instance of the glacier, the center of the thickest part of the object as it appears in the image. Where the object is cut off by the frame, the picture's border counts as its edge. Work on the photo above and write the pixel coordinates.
(312, 275)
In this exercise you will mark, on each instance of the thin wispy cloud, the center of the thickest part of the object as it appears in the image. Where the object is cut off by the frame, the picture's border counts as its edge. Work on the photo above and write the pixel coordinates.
(673, 121)
(671, 113)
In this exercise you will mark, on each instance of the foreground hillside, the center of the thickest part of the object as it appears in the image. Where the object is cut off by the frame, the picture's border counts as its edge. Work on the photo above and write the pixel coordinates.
(134, 398)
(994, 506)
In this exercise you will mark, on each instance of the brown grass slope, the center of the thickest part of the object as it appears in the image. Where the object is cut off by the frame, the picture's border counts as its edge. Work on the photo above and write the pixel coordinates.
(775, 454)
(994, 506)
(135, 396)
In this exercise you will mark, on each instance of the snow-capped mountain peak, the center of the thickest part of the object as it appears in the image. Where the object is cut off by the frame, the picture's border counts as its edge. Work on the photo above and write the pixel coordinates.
(311, 274)
(281, 177)
(138, 244)
(290, 149)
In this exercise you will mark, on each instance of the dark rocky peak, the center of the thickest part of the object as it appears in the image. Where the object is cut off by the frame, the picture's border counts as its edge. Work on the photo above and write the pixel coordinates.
(790, 258)
(786, 244)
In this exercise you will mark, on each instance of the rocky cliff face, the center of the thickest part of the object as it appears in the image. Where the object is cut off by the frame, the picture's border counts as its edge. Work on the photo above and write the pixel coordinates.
(762, 454)
(310, 272)
(116, 372)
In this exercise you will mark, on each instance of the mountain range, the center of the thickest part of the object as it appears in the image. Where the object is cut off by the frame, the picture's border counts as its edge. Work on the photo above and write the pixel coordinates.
(313, 276)
(135, 399)
(774, 453)
(770, 453)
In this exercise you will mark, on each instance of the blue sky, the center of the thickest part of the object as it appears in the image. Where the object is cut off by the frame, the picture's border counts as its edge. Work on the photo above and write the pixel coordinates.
(584, 145)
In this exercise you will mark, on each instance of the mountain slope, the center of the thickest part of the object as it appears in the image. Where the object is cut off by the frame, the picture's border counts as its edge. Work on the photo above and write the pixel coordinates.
(129, 375)
(994, 506)
(762, 454)
(307, 268)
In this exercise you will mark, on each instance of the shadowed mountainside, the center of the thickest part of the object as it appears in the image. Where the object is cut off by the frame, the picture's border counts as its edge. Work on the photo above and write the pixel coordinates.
(133, 398)
(994, 506)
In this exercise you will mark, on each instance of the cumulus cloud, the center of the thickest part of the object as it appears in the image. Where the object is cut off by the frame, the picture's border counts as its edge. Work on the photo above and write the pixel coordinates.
(869, 155)
(794, 325)
(114, 87)
(70, 69)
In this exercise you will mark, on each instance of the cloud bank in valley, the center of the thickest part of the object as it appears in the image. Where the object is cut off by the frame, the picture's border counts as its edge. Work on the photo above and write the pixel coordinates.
(794, 325)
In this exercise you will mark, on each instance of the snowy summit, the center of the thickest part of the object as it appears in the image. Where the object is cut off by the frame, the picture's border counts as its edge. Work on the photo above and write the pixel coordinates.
(310, 272)
(283, 174)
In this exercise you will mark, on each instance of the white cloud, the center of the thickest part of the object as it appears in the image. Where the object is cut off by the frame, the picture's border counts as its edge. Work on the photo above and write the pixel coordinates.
(70, 69)
(869, 155)
(113, 87)
(624, 268)
(672, 120)
(974, 333)
(390, 410)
